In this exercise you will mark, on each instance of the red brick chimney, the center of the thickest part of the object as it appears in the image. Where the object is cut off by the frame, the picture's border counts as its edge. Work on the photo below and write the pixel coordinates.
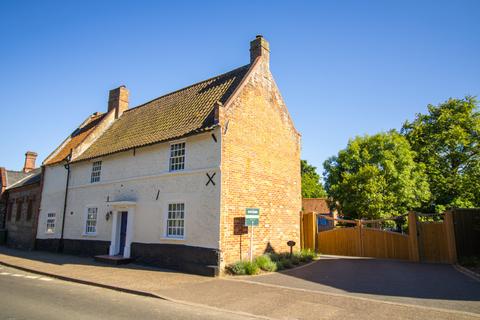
(260, 48)
(30, 158)
(118, 100)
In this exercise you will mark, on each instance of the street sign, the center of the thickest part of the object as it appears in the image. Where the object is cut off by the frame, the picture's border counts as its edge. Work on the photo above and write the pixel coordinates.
(251, 217)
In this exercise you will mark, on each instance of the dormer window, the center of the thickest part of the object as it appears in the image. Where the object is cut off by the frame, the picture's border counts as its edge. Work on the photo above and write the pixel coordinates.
(96, 171)
(177, 156)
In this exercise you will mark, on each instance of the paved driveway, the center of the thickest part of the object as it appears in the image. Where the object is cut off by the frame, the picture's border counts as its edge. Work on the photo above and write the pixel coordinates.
(430, 285)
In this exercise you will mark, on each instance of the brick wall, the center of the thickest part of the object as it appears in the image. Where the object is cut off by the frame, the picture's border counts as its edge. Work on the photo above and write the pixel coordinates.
(22, 231)
(260, 169)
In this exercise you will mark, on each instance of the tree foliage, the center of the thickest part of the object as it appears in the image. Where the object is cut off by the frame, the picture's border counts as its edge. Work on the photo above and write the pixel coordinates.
(446, 141)
(376, 176)
(311, 185)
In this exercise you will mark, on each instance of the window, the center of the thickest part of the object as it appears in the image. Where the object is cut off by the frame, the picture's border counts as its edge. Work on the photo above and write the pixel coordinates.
(176, 220)
(177, 156)
(96, 170)
(30, 208)
(91, 223)
(50, 222)
(9, 211)
(19, 210)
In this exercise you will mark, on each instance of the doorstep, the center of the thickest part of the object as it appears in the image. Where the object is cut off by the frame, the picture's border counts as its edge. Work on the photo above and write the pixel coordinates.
(114, 260)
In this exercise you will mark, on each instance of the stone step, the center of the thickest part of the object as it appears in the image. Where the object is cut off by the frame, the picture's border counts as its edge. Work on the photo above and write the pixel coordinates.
(115, 260)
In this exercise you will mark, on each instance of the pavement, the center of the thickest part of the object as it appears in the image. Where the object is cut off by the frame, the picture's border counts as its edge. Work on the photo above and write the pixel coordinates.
(333, 287)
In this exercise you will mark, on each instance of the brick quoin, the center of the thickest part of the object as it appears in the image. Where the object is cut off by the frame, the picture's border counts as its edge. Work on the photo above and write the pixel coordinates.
(260, 167)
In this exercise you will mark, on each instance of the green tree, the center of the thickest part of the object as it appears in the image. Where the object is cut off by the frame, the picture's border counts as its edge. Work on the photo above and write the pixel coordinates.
(376, 176)
(311, 185)
(446, 141)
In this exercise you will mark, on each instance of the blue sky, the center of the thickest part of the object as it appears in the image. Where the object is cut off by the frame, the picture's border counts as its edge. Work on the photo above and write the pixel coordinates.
(345, 68)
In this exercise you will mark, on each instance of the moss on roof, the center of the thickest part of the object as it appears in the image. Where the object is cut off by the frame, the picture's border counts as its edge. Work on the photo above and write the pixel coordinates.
(171, 116)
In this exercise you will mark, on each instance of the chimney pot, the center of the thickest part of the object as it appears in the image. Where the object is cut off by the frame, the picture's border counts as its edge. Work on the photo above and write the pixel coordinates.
(118, 100)
(30, 158)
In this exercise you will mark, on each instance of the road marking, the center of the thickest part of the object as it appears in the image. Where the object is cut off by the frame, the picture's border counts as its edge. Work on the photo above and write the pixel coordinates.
(45, 279)
(32, 277)
(17, 275)
(5, 273)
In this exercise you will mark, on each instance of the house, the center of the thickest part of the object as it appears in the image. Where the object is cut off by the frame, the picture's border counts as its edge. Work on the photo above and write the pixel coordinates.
(20, 199)
(168, 182)
(322, 207)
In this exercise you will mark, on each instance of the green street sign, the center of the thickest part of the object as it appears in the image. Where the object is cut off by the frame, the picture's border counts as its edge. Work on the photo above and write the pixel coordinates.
(251, 216)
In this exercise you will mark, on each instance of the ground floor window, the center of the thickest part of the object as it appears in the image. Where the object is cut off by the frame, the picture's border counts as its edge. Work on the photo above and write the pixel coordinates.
(51, 222)
(176, 220)
(91, 224)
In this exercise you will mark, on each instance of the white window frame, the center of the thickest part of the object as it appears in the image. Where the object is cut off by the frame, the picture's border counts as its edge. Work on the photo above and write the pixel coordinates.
(96, 173)
(51, 220)
(166, 228)
(86, 220)
(170, 157)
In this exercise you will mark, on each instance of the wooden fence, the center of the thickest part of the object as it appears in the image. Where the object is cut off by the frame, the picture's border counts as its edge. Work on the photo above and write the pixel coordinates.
(426, 241)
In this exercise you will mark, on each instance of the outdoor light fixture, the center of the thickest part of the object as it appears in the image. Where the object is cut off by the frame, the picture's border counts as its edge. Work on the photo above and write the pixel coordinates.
(107, 215)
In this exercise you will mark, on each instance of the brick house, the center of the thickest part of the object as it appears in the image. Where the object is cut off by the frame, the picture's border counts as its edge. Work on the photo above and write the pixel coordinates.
(20, 199)
(168, 182)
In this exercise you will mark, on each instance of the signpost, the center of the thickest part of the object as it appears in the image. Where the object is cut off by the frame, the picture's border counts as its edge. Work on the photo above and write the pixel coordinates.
(251, 220)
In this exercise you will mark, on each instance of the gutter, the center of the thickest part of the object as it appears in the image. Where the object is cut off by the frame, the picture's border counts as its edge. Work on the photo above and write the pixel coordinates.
(67, 167)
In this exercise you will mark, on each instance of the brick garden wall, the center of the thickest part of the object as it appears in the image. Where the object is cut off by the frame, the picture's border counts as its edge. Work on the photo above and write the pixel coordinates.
(260, 168)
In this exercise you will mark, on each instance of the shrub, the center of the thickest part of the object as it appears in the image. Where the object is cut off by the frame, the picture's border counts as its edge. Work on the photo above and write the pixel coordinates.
(471, 261)
(251, 268)
(237, 268)
(307, 255)
(294, 259)
(279, 265)
(265, 263)
(287, 263)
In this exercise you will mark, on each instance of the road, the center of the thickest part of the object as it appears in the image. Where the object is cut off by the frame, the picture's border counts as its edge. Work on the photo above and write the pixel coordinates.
(29, 296)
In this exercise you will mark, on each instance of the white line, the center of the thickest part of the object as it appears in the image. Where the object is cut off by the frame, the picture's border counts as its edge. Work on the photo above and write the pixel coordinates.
(17, 275)
(31, 277)
(5, 273)
(45, 279)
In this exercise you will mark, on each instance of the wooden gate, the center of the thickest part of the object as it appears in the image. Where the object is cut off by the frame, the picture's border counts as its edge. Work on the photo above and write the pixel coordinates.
(467, 231)
(426, 241)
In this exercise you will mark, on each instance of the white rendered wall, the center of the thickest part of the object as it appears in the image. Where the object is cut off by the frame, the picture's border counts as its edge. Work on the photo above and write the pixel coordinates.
(140, 178)
(53, 196)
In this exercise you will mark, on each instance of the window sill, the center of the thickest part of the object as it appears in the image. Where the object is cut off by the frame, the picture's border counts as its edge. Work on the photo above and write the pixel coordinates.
(89, 234)
(172, 238)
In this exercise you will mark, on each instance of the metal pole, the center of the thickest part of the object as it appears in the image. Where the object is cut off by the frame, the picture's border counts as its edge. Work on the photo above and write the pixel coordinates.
(251, 243)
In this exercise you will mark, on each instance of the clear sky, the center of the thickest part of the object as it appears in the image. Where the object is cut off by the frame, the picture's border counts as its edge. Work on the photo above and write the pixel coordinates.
(344, 68)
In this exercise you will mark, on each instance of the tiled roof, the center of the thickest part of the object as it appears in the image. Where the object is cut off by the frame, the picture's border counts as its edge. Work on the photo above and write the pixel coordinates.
(76, 138)
(171, 116)
(27, 179)
(14, 176)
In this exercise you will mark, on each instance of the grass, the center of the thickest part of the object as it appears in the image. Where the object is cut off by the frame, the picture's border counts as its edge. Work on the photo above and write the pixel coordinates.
(271, 262)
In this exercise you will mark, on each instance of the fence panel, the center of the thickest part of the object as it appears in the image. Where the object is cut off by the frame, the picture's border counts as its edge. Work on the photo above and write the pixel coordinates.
(384, 244)
(341, 241)
(467, 231)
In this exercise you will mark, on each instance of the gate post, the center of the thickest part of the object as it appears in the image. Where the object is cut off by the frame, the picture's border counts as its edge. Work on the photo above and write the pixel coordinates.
(413, 253)
(359, 238)
(450, 237)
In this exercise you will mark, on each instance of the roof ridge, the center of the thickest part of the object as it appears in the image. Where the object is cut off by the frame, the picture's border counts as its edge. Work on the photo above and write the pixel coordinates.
(188, 87)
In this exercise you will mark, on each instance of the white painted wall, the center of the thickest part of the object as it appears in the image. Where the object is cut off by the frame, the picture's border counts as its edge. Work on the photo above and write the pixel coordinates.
(53, 196)
(139, 178)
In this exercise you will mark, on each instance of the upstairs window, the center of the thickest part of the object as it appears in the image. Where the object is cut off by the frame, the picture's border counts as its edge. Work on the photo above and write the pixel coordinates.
(177, 156)
(176, 220)
(50, 222)
(91, 223)
(96, 171)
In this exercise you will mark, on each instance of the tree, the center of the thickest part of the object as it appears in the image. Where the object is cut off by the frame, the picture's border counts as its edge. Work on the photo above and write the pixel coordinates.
(376, 176)
(446, 141)
(311, 185)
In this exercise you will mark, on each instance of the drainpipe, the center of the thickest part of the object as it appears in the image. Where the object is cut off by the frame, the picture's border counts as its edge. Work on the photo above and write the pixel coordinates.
(67, 167)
